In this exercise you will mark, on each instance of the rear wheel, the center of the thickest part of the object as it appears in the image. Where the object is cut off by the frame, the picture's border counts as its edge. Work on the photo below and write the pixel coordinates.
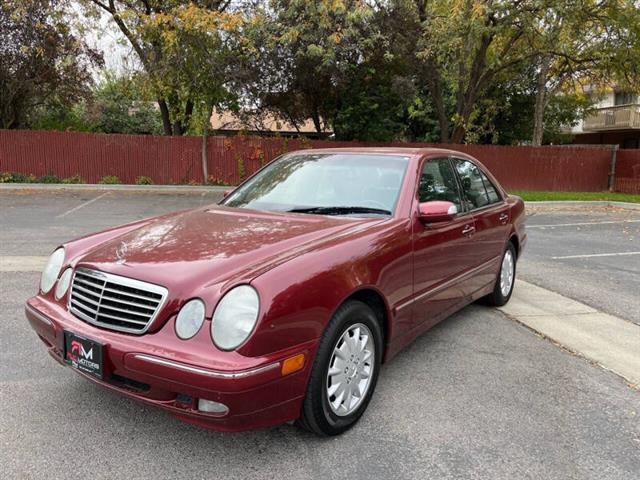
(503, 287)
(345, 371)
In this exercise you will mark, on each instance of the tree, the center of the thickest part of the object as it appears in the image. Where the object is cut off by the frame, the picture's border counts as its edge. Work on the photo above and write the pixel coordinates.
(463, 45)
(149, 26)
(573, 41)
(199, 47)
(305, 55)
(41, 60)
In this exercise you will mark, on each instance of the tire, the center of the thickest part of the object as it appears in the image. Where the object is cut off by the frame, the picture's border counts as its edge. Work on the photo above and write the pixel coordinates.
(324, 413)
(500, 296)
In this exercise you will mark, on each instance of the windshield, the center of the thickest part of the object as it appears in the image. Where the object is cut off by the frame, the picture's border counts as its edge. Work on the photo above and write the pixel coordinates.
(325, 183)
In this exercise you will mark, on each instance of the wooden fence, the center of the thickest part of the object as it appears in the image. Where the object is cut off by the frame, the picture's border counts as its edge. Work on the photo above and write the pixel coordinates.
(177, 160)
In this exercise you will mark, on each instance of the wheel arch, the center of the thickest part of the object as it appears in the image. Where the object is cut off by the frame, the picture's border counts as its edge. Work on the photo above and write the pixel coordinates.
(516, 243)
(376, 301)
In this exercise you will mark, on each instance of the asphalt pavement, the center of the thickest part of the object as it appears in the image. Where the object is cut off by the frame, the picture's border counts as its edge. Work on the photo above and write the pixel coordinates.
(478, 396)
(589, 254)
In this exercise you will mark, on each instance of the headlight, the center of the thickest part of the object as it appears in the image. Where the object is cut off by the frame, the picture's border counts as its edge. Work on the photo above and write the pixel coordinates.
(235, 317)
(63, 283)
(51, 270)
(190, 319)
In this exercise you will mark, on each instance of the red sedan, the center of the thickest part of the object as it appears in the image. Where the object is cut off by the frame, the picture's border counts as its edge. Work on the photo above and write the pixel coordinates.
(282, 302)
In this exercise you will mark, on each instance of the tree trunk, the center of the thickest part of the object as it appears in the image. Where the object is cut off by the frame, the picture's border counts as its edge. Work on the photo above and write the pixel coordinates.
(435, 87)
(316, 121)
(164, 112)
(205, 137)
(542, 99)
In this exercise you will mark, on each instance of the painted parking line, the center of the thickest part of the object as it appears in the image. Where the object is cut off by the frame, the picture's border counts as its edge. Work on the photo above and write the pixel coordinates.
(609, 222)
(591, 255)
(22, 263)
(82, 205)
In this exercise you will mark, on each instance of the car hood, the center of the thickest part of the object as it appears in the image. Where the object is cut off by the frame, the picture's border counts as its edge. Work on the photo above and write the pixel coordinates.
(192, 250)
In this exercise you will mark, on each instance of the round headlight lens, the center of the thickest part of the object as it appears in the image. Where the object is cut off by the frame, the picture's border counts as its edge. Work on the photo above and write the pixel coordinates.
(51, 270)
(235, 317)
(190, 319)
(63, 283)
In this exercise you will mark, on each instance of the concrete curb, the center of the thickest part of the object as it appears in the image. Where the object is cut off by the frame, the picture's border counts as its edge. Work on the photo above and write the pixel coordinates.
(583, 203)
(201, 189)
(44, 187)
(611, 342)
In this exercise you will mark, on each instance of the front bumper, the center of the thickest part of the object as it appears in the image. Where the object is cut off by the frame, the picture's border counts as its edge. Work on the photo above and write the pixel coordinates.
(161, 370)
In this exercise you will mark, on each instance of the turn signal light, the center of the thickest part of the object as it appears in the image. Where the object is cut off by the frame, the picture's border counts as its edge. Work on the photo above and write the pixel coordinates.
(293, 364)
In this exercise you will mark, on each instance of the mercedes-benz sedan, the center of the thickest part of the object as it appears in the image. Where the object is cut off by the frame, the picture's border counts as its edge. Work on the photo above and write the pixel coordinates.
(282, 302)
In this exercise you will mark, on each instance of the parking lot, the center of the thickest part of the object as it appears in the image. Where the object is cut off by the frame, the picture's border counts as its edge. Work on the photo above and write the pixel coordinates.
(479, 396)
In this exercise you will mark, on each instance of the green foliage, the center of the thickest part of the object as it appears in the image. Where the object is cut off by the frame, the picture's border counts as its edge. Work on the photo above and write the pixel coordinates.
(110, 180)
(142, 180)
(49, 179)
(373, 107)
(59, 115)
(119, 106)
(14, 177)
(448, 70)
(41, 59)
(240, 164)
(75, 179)
(577, 196)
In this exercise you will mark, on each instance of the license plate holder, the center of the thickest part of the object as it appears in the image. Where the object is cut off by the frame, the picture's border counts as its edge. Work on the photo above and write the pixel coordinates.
(83, 354)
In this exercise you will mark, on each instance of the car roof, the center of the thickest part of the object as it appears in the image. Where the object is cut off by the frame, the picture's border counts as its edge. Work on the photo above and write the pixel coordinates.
(412, 151)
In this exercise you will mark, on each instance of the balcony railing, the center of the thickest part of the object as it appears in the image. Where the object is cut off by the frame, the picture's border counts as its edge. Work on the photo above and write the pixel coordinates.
(613, 118)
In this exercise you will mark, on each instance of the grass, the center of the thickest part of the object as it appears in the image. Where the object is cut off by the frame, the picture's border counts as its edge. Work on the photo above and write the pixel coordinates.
(581, 196)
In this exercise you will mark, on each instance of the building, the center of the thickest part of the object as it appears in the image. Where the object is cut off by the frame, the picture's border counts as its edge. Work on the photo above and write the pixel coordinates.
(615, 121)
(267, 124)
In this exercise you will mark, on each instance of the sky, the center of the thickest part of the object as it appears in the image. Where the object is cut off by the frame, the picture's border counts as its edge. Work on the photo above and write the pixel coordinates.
(117, 52)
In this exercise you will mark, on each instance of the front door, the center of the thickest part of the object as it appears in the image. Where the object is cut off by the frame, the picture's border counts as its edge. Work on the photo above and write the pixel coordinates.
(442, 250)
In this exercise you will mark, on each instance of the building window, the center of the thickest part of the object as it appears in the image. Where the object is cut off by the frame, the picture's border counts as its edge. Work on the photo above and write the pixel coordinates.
(624, 98)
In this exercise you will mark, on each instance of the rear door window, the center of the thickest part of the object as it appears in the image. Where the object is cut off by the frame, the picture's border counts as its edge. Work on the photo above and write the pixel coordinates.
(475, 195)
(492, 191)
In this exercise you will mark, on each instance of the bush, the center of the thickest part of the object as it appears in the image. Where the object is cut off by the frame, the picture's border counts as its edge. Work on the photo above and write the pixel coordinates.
(216, 181)
(14, 177)
(142, 180)
(110, 180)
(49, 179)
(6, 177)
(73, 180)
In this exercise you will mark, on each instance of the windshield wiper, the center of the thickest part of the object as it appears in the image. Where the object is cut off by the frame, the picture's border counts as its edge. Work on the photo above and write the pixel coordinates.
(343, 210)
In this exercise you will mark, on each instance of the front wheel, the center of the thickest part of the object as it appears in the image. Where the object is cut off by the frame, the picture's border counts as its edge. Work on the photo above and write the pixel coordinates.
(345, 371)
(503, 287)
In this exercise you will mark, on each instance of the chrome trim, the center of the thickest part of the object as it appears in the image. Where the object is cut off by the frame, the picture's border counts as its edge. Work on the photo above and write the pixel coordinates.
(203, 371)
(39, 315)
(447, 284)
(117, 280)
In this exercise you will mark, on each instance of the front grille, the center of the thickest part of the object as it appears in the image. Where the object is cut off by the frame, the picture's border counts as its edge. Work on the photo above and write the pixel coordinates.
(115, 302)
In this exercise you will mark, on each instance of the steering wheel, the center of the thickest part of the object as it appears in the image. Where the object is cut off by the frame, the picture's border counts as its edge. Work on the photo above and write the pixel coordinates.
(374, 204)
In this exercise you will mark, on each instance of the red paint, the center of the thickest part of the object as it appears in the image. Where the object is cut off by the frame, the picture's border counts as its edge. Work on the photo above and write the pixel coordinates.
(436, 211)
(304, 267)
(627, 179)
(178, 159)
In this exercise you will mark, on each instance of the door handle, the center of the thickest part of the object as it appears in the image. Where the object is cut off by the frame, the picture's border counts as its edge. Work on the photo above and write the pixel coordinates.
(468, 230)
(504, 218)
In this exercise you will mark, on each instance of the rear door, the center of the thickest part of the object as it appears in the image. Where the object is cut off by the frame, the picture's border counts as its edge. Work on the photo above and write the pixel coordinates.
(491, 219)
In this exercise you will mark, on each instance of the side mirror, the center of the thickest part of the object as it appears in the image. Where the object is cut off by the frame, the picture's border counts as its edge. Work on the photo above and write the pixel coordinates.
(436, 211)
(226, 193)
